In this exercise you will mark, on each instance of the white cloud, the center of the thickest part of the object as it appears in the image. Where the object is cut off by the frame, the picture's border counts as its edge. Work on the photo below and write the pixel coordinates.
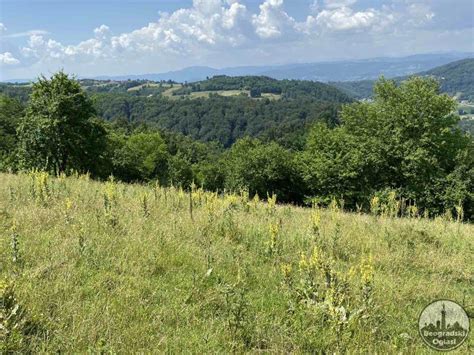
(2, 28)
(213, 25)
(344, 18)
(211, 29)
(314, 7)
(334, 4)
(209, 23)
(272, 20)
(8, 59)
(419, 14)
(102, 31)
(207, 7)
(27, 34)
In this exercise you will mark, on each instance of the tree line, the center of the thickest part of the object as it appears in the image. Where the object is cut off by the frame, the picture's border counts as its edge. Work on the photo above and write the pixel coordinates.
(406, 142)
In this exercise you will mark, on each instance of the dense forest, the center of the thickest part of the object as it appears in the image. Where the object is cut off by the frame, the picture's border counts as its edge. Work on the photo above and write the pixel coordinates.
(214, 118)
(303, 150)
(221, 119)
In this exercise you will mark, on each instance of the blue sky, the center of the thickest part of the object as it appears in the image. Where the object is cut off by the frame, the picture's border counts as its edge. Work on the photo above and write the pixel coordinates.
(113, 37)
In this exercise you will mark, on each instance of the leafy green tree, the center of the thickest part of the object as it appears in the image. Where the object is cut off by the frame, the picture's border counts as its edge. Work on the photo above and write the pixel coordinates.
(58, 132)
(332, 166)
(262, 168)
(255, 93)
(180, 171)
(139, 157)
(10, 112)
(406, 139)
(210, 174)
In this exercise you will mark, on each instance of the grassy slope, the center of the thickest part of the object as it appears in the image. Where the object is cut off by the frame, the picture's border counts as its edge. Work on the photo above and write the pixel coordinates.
(169, 93)
(132, 278)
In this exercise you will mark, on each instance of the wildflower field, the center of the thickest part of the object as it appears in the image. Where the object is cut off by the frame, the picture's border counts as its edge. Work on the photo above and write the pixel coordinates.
(90, 266)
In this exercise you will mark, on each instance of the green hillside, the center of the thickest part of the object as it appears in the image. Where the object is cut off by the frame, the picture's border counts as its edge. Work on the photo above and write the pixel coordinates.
(108, 267)
(305, 153)
(221, 109)
(258, 85)
(456, 79)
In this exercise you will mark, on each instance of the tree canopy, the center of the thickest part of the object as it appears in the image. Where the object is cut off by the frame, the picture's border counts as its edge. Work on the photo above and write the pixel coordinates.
(406, 139)
(405, 143)
(58, 131)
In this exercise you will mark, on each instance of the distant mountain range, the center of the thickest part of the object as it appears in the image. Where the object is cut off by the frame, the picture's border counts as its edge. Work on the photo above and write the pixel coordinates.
(347, 70)
(456, 79)
(366, 69)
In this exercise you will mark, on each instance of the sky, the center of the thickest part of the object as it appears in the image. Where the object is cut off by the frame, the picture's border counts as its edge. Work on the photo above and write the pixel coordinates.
(121, 37)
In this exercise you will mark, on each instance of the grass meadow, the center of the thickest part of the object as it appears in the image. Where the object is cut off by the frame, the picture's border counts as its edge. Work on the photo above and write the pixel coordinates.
(111, 267)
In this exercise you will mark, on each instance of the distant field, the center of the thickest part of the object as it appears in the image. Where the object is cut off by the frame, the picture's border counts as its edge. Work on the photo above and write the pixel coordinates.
(147, 85)
(225, 93)
(115, 268)
(271, 96)
(169, 93)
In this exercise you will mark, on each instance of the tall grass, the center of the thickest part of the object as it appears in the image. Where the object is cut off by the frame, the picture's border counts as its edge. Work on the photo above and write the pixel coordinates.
(89, 266)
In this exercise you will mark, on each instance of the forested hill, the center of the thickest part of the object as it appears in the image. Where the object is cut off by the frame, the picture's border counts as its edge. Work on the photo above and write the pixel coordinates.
(370, 153)
(220, 109)
(257, 85)
(456, 78)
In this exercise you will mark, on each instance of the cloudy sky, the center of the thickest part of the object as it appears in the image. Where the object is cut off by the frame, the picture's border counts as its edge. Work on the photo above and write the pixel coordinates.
(115, 37)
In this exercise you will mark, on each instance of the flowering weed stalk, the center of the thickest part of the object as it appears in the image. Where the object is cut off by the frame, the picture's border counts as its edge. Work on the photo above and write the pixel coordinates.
(271, 204)
(273, 245)
(15, 242)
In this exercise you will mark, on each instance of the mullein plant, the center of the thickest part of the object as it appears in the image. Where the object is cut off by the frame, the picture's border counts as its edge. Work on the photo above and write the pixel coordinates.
(375, 205)
(367, 278)
(392, 206)
(85, 177)
(413, 211)
(110, 197)
(255, 202)
(387, 206)
(319, 287)
(212, 206)
(335, 206)
(68, 206)
(11, 319)
(271, 204)
(15, 242)
(245, 199)
(81, 239)
(156, 190)
(145, 205)
(17, 325)
(12, 194)
(40, 188)
(459, 212)
(236, 305)
(231, 201)
(197, 195)
(316, 222)
(365, 313)
(274, 242)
